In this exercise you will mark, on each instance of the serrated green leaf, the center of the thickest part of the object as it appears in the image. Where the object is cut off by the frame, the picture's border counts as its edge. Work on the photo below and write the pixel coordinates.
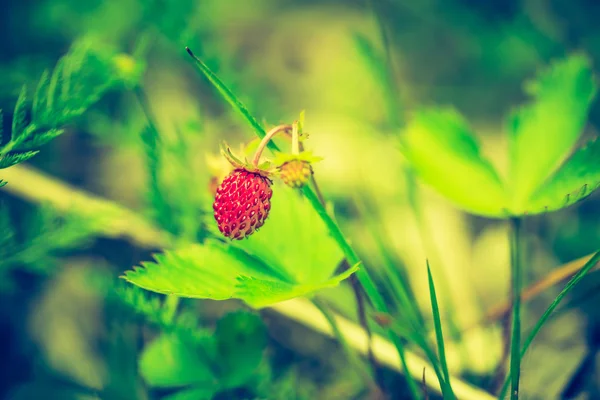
(294, 240)
(261, 292)
(290, 256)
(542, 134)
(192, 394)
(575, 180)
(173, 360)
(38, 139)
(20, 114)
(446, 155)
(15, 158)
(241, 339)
(40, 97)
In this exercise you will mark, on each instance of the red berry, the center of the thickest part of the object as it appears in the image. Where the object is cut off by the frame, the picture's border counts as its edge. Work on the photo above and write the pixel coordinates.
(242, 203)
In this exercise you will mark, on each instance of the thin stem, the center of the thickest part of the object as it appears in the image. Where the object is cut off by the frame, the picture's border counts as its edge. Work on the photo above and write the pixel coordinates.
(515, 344)
(295, 139)
(350, 354)
(364, 278)
(265, 140)
(362, 319)
(567, 289)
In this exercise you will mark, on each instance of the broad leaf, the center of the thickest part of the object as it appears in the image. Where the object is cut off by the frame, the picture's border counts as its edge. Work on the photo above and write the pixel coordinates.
(575, 180)
(543, 133)
(291, 255)
(173, 360)
(446, 155)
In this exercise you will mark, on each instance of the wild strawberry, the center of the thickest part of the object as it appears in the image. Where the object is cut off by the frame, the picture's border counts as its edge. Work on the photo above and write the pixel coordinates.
(242, 203)
(295, 173)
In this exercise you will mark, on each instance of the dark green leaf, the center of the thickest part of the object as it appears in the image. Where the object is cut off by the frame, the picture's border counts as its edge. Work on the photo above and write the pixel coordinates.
(2, 183)
(205, 393)
(38, 139)
(15, 158)
(542, 133)
(20, 114)
(41, 96)
(241, 339)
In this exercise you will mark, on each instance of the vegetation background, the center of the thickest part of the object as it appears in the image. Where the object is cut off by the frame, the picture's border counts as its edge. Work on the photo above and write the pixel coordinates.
(70, 329)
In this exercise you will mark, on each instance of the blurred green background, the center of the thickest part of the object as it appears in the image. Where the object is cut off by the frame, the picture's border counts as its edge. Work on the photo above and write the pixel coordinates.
(281, 57)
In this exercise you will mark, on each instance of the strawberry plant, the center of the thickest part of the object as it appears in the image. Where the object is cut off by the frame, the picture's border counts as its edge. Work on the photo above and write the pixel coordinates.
(174, 227)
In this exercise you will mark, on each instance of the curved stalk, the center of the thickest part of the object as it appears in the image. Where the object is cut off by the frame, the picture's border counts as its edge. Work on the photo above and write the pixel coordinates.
(265, 140)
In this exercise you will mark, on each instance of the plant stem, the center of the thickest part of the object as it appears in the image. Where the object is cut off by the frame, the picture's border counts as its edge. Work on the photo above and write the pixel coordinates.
(569, 286)
(354, 359)
(363, 277)
(515, 344)
(265, 141)
(362, 319)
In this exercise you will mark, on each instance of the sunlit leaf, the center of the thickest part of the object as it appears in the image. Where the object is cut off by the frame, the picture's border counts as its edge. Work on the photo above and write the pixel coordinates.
(446, 155)
(575, 180)
(542, 133)
(173, 360)
(291, 255)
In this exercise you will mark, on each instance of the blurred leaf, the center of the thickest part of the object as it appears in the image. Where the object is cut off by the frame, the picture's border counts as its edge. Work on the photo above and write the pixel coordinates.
(20, 113)
(192, 394)
(2, 183)
(445, 154)
(575, 180)
(173, 360)
(292, 255)
(47, 391)
(543, 132)
(241, 339)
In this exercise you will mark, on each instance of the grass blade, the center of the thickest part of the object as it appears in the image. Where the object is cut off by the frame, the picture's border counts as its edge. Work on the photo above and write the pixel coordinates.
(446, 387)
(231, 98)
(538, 326)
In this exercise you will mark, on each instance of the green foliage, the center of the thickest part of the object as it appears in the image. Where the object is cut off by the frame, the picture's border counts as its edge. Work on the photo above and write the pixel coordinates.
(542, 133)
(576, 179)
(202, 366)
(292, 256)
(437, 321)
(44, 235)
(446, 154)
(442, 149)
(591, 263)
(80, 79)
